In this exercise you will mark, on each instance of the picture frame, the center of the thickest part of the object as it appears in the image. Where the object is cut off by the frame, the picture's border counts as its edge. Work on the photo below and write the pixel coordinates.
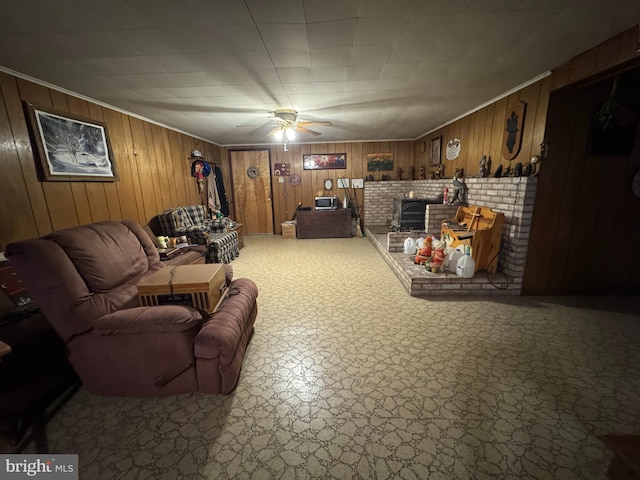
(70, 147)
(324, 161)
(435, 151)
(379, 162)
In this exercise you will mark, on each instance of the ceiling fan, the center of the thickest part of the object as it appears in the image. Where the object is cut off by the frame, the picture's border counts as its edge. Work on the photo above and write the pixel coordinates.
(287, 125)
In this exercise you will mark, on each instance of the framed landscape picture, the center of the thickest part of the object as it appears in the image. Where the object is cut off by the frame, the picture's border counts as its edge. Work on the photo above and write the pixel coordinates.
(380, 162)
(324, 161)
(70, 147)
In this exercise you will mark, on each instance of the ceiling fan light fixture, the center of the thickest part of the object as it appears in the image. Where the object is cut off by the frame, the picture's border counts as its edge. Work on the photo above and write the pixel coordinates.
(278, 135)
(291, 134)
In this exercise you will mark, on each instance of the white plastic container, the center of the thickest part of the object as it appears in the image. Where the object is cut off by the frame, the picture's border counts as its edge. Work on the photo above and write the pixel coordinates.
(451, 262)
(466, 266)
(410, 246)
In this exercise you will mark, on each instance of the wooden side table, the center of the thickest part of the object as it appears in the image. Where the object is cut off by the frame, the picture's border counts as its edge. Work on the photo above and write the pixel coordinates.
(240, 229)
(190, 256)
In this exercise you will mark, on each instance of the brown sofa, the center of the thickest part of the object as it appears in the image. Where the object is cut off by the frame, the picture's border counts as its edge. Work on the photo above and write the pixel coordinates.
(84, 280)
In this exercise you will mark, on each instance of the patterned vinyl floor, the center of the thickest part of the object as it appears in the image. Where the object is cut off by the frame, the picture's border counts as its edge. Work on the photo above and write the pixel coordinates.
(349, 377)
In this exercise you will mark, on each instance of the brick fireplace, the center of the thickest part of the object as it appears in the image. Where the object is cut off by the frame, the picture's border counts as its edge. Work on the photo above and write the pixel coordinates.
(514, 197)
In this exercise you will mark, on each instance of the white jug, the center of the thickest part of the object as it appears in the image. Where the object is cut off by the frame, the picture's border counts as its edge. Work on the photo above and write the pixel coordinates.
(410, 246)
(451, 261)
(466, 266)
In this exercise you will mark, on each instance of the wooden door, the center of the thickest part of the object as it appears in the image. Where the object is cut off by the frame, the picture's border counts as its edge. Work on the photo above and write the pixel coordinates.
(252, 193)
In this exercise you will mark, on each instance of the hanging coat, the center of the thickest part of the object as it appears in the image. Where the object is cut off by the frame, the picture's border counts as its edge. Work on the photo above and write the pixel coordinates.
(213, 198)
(224, 203)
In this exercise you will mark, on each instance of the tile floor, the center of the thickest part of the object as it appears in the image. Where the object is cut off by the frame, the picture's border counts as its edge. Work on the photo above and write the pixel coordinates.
(349, 377)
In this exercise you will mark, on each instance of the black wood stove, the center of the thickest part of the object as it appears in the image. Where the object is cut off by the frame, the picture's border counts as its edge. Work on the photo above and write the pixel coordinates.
(408, 213)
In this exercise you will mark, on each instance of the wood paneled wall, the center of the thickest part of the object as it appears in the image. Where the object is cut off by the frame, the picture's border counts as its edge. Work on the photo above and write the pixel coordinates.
(481, 133)
(287, 197)
(151, 162)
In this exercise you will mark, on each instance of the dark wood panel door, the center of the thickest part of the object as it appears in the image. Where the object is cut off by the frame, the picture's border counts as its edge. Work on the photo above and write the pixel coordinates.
(251, 177)
(583, 234)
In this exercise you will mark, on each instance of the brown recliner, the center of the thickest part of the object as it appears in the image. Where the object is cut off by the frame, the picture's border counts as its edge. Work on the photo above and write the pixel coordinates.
(84, 280)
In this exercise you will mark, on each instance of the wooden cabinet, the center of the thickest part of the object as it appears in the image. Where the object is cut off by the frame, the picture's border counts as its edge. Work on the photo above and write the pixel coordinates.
(481, 229)
(323, 223)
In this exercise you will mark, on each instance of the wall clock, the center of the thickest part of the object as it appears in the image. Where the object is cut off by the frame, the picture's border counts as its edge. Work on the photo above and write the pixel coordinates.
(253, 172)
(328, 184)
(635, 184)
(294, 179)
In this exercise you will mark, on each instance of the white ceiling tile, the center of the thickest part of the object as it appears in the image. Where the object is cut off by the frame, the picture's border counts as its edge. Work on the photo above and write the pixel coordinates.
(184, 92)
(410, 53)
(130, 65)
(378, 30)
(386, 8)
(194, 14)
(284, 36)
(427, 28)
(322, 11)
(327, 57)
(298, 88)
(364, 72)
(295, 75)
(331, 34)
(324, 87)
(276, 11)
(211, 91)
(232, 77)
(370, 54)
(329, 74)
(290, 58)
(360, 85)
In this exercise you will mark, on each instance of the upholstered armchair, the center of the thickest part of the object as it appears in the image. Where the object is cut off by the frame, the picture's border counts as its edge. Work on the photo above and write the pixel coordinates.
(191, 221)
(84, 280)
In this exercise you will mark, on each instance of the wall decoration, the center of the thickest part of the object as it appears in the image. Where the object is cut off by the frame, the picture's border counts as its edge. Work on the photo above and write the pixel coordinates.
(357, 182)
(435, 157)
(343, 182)
(453, 148)
(324, 161)
(514, 123)
(380, 162)
(253, 172)
(281, 169)
(70, 147)
(295, 179)
(328, 184)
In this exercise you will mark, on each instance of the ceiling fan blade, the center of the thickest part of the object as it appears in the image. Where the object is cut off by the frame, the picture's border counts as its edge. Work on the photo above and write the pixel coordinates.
(312, 123)
(272, 132)
(306, 130)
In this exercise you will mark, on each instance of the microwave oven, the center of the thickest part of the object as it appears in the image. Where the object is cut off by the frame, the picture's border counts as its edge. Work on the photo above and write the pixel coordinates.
(326, 203)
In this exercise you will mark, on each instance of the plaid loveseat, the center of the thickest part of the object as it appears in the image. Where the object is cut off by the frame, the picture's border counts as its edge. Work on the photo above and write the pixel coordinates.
(192, 221)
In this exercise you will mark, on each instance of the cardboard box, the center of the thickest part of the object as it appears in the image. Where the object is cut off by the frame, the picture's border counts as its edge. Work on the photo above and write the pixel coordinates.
(198, 286)
(288, 230)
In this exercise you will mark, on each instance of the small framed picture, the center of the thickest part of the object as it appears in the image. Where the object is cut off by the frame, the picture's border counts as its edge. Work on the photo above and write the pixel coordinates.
(434, 156)
(343, 182)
